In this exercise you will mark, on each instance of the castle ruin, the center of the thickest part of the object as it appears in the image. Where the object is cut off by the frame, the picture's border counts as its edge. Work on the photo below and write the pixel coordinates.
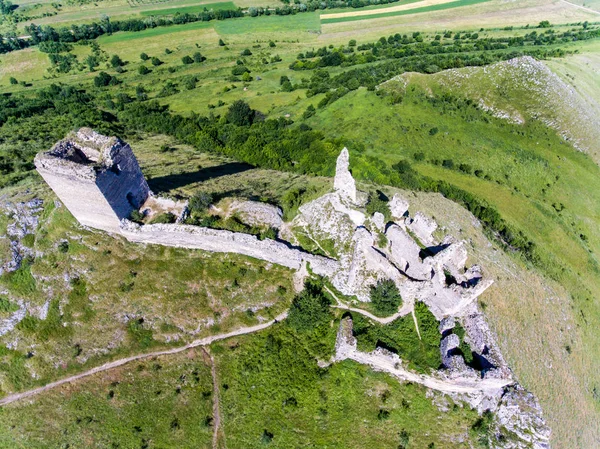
(97, 178)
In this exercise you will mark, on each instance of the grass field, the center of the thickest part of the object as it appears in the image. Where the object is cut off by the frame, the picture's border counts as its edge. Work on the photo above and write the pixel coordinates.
(413, 8)
(163, 402)
(189, 9)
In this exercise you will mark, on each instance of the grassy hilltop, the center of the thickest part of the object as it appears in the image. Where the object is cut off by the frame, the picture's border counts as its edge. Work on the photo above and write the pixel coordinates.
(424, 98)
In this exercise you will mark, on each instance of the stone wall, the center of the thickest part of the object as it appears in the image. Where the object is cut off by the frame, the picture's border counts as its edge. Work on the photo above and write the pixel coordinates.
(217, 240)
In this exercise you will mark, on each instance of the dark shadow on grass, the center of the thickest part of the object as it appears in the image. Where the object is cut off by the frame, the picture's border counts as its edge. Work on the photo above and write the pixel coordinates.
(170, 182)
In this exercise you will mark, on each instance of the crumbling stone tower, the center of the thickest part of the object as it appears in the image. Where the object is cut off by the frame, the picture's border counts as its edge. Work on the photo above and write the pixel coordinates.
(97, 178)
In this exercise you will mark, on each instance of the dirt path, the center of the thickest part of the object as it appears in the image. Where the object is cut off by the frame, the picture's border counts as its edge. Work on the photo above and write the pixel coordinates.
(405, 310)
(217, 432)
(110, 365)
(581, 7)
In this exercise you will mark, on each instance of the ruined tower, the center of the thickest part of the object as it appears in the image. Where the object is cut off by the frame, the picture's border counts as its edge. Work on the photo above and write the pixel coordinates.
(97, 178)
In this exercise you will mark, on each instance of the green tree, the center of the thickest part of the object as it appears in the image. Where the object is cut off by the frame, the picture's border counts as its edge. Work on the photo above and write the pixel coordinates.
(385, 297)
(310, 308)
(240, 113)
(200, 202)
(116, 61)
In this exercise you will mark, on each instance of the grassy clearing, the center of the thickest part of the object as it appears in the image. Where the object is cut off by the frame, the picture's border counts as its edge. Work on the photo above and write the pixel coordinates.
(416, 10)
(276, 393)
(308, 21)
(189, 9)
(154, 32)
(165, 402)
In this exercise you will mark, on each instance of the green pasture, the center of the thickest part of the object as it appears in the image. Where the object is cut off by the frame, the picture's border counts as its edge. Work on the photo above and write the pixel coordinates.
(195, 9)
(308, 21)
(423, 9)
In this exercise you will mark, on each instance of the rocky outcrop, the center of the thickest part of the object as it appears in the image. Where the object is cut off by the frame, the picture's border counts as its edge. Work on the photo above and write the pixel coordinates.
(344, 183)
(254, 213)
(23, 221)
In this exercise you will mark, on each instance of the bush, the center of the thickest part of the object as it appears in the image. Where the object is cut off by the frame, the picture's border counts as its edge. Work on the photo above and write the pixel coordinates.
(239, 70)
(378, 203)
(104, 79)
(116, 61)
(385, 297)
(419, 156)
(144, 56)
(246, 52)
(167, 217)
(155, 61)
(13, 80)
(448, 163)
(240, 113)
(143, 70)
(310, 308)
(187, 60)
(198, 57)
(200, 202)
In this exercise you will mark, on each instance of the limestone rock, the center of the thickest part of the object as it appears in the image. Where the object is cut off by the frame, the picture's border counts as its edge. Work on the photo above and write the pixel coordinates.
(344, 183)
(422, 227)
(254, 213)
(398, 207)
(378, 220)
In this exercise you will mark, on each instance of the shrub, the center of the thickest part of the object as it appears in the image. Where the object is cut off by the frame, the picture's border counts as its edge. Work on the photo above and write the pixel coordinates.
(144, 56)
(166, 217)
(200, 202)
(385, 297)
(198, 57)
(221, 43)
(13, 80)
(246, 52)
(239, 70)
(187, 60)
(143, 70)
(448, 163)
(116, 61)
(310, 308)
(104, 79)
(155, 61)
(272, 44)
(419, 156)
(378, 203)
(240, 113)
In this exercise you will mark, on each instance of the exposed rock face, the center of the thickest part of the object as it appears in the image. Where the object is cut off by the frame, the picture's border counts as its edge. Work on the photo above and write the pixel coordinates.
(254, 213)
(23, 221)
(398, 207)
(344, 182)
(422, 227)
(96, 177)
